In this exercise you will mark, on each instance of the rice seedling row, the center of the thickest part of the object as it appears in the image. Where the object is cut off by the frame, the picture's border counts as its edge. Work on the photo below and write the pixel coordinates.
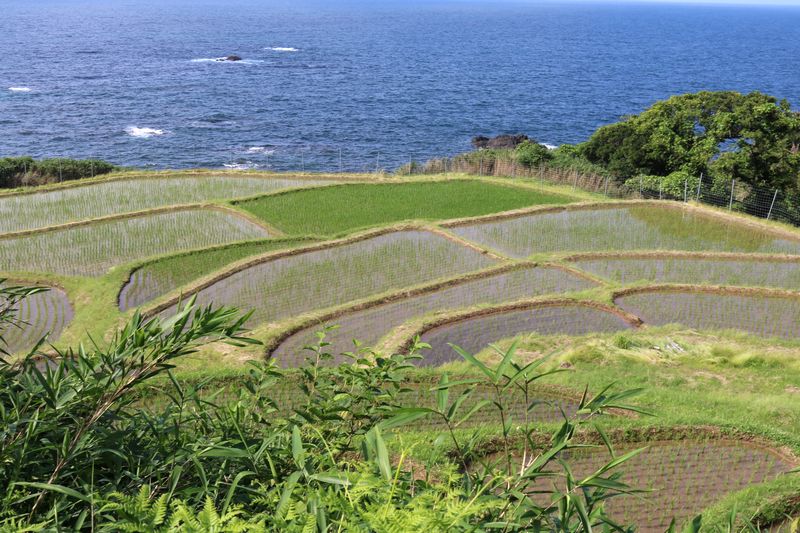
(622, 228)
(295, 284)
(44, 313)
(476, 333)
(91, 250)
(763, 315)
(370, 325)
(60, 206)
(686, 477)
(334, 210)
(163, 276)
(677, 269)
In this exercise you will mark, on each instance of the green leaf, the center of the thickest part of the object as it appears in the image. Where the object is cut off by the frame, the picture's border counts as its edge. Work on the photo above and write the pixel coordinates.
(474, 362)
(401, 417)
(298, 453)
(55, 488)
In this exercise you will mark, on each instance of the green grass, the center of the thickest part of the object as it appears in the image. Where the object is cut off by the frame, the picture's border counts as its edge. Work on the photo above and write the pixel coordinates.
(336, 210)
(162, 276)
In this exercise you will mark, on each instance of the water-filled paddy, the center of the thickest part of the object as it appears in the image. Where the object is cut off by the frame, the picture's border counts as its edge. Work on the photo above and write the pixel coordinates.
(44, 313)
(648, 227)
(91, 250)
(476, 333)
(685, 476)
(162, 276)
(738, 272)
(370, 325)
(765, 316)
(124, 196)
(292, 285)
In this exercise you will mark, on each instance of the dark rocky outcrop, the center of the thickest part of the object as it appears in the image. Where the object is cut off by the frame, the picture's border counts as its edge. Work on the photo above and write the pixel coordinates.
(230, 58)
(501, 141)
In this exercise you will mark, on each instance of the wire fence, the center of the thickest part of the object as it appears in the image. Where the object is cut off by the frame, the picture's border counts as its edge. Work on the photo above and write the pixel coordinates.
(762, 202)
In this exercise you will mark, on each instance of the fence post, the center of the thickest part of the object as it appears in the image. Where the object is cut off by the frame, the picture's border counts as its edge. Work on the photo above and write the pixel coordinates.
(685, 190)
(699, 184)
(733, 187)
(774, 196)
(377, 163)
(606, 190)
(640, 184)
(480, 167)
(60, 175)
(660, 187)
(575, 182)
(91, 166)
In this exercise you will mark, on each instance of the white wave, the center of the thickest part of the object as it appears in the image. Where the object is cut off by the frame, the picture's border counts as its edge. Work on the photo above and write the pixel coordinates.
(241, 166)
(144, 133)
(260, 150)
(19, 89)
(549, 146)
(282, 49)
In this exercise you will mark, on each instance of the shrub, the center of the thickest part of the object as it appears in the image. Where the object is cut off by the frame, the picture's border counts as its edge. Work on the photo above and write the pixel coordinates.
(18, 171)
(532, 154)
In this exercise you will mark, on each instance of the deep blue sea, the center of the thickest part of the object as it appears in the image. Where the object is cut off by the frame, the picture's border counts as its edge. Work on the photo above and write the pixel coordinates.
(381, 83)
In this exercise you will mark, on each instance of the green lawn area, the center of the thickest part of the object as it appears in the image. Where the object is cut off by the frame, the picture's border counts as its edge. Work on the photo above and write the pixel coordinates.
(335, 210)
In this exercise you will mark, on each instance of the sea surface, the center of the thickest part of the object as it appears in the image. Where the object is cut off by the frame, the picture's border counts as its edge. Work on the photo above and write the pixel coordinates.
(358, 85)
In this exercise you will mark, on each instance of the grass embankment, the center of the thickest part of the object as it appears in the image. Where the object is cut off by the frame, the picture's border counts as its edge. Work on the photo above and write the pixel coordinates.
(336, 210)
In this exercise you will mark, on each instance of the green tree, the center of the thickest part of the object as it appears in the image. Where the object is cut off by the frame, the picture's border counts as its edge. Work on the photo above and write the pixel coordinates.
(752, 138)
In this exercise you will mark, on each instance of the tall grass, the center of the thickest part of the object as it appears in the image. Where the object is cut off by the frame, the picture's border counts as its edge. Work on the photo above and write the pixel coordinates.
(91, 250)
(48, 208)
(335, 210)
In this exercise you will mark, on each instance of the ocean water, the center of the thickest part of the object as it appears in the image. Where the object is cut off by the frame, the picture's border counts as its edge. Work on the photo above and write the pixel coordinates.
(358, 85)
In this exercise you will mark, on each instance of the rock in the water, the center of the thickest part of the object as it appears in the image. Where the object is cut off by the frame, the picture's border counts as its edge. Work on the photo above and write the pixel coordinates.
(501, 141)
(230, 58)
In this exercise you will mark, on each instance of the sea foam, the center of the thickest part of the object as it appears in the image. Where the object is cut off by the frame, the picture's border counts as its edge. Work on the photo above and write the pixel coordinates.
(144, 133)
(19, 89)
(282, 49)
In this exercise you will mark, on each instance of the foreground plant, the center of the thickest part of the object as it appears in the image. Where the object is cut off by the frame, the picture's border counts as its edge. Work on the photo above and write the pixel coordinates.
(80, 451)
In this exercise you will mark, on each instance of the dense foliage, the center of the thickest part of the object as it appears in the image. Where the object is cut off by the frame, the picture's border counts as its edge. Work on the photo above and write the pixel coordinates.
(23, 171)
(78, 451)
(753, 138)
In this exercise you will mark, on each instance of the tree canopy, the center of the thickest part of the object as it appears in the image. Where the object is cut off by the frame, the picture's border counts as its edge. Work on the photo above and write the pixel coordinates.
(752, 138)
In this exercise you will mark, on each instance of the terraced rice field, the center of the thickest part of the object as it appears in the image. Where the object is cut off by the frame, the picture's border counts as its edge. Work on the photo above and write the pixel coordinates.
(162, 276)
(765, 316)
(370, 325)
(476, 333)
(687, 269)
(44, 313)
(128, 195)
(334, 210)
(686, 477)
(296, 284)
(91, 250)
(622, 228)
